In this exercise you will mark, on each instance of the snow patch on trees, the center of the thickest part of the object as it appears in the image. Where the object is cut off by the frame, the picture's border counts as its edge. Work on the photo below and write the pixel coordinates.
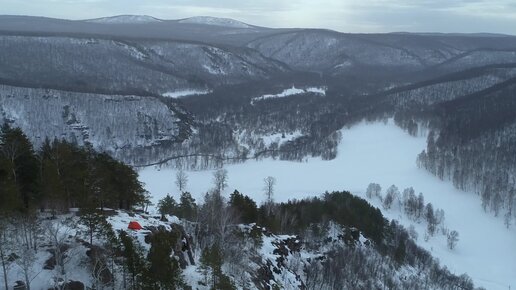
(320, 91)
(280, 138)
(185, 93)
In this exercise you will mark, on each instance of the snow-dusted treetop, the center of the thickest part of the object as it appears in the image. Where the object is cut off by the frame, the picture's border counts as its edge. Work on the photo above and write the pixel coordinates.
(208, 20)
(124, 19)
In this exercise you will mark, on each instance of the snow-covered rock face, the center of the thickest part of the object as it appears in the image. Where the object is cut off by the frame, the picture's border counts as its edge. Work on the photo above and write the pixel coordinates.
(109, 123)
(125, 19)
(215, 21)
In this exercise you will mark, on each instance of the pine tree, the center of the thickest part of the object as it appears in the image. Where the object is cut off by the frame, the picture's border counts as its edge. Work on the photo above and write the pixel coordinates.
(134, 261)
(95, 223)
(21, 165)
(244, 206)
(164, 271)
(167, 205)
(452, 239)
(187, 206)
(212, 258)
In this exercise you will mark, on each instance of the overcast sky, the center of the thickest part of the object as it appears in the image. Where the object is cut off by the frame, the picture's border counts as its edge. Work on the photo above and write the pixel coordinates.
(498, 16)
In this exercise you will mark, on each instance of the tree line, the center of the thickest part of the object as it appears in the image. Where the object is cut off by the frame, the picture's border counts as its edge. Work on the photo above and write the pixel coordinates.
(415, 208)
(61, 175)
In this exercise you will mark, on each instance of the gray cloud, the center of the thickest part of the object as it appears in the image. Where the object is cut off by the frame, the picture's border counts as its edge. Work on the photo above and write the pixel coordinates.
(344, 15)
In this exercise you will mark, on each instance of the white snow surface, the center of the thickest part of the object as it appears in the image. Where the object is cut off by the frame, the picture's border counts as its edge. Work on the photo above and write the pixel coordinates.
(125, 19)
(42, 279)
(215, 21)
(385, 154)
(281, 138)
(185, 93)
(292, 92)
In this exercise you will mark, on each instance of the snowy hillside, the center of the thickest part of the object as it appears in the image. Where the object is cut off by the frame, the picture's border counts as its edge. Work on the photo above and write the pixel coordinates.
(316, 50)
(108, 122)
(207, 20)
(264, 260)
(386, 155)
(125, 19)
(139, 66)
(437, 92)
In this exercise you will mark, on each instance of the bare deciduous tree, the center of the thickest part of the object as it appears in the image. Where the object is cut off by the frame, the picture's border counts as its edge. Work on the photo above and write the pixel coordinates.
(227, 218)
(374, 190)
(412, 232)
(507, 219)
(453, 238)
(26, 260)
(5, 244)
(268, 187)
(220, 180)
(391, 195)
(57, 233)
(181, 180)
(11, 151)
(98, 269)
(24, 245)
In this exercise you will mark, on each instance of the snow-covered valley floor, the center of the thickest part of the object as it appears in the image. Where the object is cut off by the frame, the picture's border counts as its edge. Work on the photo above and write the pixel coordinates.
(384, 154)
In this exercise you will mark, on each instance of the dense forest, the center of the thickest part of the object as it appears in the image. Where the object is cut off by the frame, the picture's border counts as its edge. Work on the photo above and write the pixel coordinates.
(61, 175)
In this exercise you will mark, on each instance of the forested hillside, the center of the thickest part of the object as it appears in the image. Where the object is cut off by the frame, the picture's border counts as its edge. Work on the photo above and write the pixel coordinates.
(473, 145)
(218, 68)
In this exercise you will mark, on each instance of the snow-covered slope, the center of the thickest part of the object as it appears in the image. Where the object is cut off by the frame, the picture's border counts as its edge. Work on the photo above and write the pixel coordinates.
(215, 21)
(337, 53)
(110, 123)
(292, 92)
(184, 93)
(384, 154)
(125, 19)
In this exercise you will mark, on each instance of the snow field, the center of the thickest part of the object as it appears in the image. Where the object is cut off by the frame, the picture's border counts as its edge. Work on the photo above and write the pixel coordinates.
(385, 154)
(185, 93)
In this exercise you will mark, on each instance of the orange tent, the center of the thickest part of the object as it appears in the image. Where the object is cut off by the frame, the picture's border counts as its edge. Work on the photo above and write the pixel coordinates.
(134, 226)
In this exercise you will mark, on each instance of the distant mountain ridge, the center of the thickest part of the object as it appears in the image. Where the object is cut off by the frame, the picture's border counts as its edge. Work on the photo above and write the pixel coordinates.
(120, 19)
(208, 20)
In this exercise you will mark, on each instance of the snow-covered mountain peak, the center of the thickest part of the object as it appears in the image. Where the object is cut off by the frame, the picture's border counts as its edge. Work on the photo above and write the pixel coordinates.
(208, 20)
(124, 19)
